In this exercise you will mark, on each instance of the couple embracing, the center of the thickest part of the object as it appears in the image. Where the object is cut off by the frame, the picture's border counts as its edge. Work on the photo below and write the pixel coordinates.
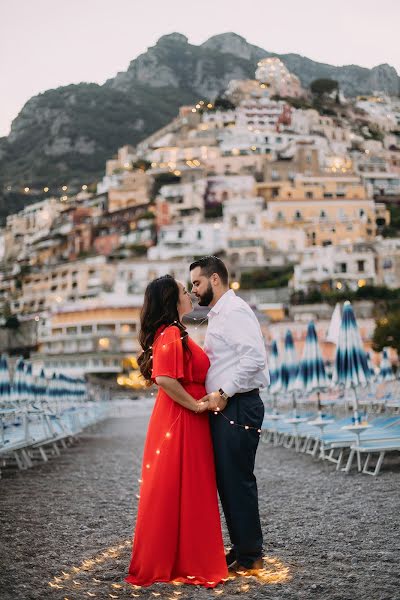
(202, 435)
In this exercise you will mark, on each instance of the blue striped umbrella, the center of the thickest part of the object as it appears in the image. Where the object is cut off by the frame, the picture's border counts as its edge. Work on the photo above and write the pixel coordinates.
(351, 367)
(18, 382)
(5, 381)
(41, 386)
(311, 375)
(290, 364)
(289, 367)
(30, 387)
(275, 372)
(385, 368)
(370, 367)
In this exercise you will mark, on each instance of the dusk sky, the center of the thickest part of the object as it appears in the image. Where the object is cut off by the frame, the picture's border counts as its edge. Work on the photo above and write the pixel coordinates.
(48, 43)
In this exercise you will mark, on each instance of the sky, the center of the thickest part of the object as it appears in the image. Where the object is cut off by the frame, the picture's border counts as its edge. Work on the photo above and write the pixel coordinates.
(45, 44)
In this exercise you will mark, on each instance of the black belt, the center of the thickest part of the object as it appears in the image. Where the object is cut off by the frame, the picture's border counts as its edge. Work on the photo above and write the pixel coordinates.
(255, 391)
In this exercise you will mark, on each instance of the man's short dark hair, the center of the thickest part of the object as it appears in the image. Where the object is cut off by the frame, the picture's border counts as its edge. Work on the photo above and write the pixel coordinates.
(210, 265)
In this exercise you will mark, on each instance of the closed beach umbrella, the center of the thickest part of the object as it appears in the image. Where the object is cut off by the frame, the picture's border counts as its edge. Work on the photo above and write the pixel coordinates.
(5, 381)
(18, 382)
(41, 386)
(334, 326)
(290, 364)
(311, 375)
(385, 368)
(370, 366)
(351, 367)
(289, 368)
(275, 373)
(30, 387)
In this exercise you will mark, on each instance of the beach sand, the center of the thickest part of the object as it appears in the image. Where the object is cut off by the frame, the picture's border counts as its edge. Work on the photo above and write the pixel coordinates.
(66, 526)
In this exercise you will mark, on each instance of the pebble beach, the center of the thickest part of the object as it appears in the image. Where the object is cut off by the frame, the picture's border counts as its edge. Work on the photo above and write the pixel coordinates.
(66, 526)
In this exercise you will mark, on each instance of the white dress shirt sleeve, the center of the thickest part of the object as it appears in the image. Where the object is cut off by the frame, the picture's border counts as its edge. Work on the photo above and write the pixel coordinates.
(243, 333)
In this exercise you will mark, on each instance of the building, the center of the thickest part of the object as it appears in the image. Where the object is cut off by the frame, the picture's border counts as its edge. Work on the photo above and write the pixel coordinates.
(42, 289)
(244, 236)
(340, 267)
(176, 241)
(275, 76)
(329, 209)
(132, 190)
(90, 336)
(133, 275)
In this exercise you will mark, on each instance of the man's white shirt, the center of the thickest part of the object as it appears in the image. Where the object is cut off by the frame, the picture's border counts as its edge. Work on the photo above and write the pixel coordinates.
(235, 346)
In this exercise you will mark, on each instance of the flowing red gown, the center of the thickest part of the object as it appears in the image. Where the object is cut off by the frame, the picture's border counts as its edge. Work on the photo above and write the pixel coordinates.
(178, 530)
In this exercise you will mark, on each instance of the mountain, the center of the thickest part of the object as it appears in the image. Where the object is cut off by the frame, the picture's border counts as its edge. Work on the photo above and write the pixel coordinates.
(65, 135)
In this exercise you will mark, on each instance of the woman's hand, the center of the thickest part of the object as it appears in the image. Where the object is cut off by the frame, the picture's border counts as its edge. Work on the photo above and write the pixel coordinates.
(201, 405)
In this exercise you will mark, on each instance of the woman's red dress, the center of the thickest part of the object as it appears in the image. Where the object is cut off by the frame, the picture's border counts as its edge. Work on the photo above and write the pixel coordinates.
(178, 530)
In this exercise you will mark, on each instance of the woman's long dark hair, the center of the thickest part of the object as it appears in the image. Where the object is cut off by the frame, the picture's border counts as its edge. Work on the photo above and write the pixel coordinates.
(160, 307)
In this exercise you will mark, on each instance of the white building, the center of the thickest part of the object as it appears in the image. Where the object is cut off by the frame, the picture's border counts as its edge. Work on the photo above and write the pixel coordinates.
(192, 240)
(272, 73)
(335, 267)
(132, 276)
(242, 223)
(382, 183)
(262, 113)
(92, 336)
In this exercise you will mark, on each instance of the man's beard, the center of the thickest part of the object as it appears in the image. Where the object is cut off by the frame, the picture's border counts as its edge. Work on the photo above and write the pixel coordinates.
(207, 297)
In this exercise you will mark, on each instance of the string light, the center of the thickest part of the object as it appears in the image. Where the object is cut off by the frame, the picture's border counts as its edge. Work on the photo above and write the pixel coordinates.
(217, 411)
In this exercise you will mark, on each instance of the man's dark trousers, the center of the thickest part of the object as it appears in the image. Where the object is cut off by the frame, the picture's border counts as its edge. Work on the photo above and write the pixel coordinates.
(235, 451)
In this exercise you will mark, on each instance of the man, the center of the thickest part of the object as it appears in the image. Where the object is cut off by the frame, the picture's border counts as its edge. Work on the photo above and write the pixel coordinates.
(235, 347)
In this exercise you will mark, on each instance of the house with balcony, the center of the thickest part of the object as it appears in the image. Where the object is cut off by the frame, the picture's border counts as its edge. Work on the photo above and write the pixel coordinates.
(340, 267)
(176, 241)
(89, 337)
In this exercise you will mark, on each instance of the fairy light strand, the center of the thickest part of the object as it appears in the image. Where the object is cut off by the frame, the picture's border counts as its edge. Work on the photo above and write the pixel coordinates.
(217, 411)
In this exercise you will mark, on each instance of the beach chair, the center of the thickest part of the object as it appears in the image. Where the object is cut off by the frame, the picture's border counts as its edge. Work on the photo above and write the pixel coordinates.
(370, 448)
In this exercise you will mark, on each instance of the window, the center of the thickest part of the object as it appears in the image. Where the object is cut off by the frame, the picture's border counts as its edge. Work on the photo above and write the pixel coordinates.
(103, 327)
(322, 214)
(297, 215)
(280, 216)
(361, 265)
(71, 330)
(86, 328)
(199, 234)
(309, 194)
(343, 267)
(234, 222)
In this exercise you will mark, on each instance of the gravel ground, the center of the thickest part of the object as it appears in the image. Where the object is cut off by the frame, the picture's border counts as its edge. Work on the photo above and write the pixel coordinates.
(66, 526)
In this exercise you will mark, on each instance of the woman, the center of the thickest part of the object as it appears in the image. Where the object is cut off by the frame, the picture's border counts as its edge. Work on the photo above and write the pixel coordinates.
(178, 530)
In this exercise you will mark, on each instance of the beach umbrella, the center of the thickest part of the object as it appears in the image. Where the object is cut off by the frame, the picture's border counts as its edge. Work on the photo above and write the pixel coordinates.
(289, 367)
(5, 381)
(370, 366)
(311, 375)
(29, 384)
(351, 367)
(41, 386)
(334, 326)
(290, 363)
(18, 382)
(385, 368)
(275, 373)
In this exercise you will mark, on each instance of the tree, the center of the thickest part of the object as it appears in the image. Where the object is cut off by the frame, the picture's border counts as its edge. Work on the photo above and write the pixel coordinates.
(387, 332)
(141, 164)
(222, 103)
(320, 87)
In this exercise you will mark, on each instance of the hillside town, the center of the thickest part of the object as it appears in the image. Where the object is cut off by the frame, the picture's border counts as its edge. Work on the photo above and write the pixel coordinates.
(298, 201)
